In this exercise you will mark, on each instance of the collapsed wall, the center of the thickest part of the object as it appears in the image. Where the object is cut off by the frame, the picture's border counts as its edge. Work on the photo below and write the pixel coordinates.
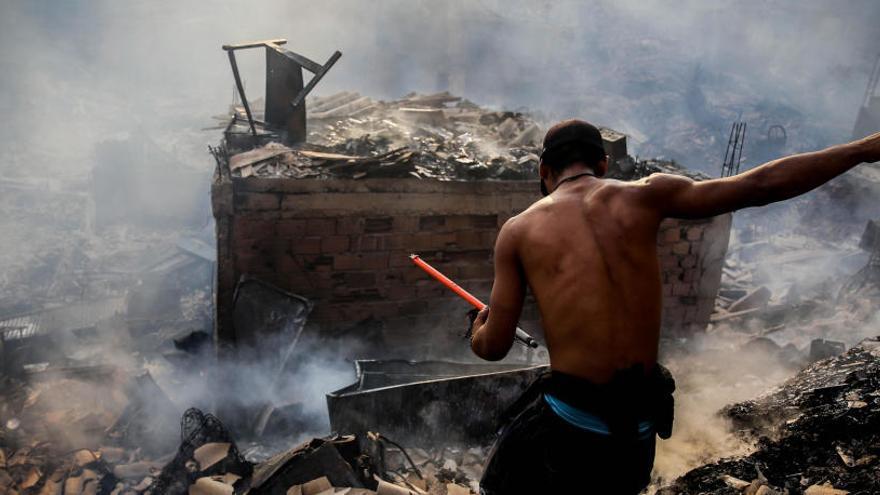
(344, 244)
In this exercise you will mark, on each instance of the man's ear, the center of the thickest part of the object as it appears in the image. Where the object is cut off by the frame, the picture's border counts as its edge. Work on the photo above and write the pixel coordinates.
(602, 167)
(543, 171)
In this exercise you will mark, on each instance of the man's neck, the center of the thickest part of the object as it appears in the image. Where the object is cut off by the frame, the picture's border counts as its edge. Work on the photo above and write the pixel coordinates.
(573, 173)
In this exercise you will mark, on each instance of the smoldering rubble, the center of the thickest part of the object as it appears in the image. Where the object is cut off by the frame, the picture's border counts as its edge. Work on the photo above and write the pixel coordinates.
(435, 136)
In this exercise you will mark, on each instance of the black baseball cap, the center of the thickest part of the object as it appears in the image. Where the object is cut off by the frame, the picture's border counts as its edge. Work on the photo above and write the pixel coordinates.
(572, 132)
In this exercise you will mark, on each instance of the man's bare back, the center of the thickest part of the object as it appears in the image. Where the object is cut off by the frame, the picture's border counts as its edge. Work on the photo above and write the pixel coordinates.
(590, 259)
(588, 253)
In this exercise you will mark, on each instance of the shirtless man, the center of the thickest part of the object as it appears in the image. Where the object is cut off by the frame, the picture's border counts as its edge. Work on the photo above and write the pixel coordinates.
(588, 251)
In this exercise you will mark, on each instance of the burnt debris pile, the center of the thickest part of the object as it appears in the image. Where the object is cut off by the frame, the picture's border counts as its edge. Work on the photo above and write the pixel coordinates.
(817, 434)
(435, 136)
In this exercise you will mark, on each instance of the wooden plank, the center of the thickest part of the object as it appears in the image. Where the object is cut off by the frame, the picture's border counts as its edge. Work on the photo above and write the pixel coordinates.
(253, 44)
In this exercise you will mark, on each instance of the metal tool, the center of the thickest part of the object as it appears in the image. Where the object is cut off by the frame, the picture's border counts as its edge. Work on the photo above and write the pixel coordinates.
(521, 334)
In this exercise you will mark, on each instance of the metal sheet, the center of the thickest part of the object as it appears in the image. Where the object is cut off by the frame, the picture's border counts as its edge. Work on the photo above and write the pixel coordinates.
(441, 410)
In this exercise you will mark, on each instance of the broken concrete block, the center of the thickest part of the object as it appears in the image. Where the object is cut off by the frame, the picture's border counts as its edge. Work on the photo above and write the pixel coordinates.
(529, 136)
(386, 488)
(309, 461)
(508, 128)
(822, 349)
(210, 486)
(84, 457)
(757, 298)
(82, 481)
(113, 455)
(134, 470)
(144, 484)
(53, 483)
(314, 487)
(30, 478)
(824, 490)
(430, 116)
(210, 454)
(455, 489)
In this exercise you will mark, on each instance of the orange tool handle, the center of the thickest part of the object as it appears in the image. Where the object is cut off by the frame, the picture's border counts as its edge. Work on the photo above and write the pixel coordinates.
(521, 335)
(443, 279)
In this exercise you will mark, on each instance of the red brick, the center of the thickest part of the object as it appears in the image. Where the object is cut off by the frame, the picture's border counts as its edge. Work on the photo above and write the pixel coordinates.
(334, 244)
(664, 248)
(299, 282)
(378, 225)
(322, 280)
(476, 271)
(257, 201)
(398, 259)
(458, 222)
(484, 221)
(251, 263)
(400, 291)
(315, 261)
(360, 280)
(346, 262)
(407, 224)
(414, 307)
(349, 225)
(668, 261)
(469, 239)
(307, 245)
(682, 247)
(286, 263)
(682, 289)
(442, 240)
(421, 242)
(462, 258)
(382, 310)
(479, 287)
(432, 223)
(405, 242)
(688, 261)
(374, 261)
(290, 227)
(251, 227)
(363, 243)
(671, 234)
(321, 226)
(695, 233)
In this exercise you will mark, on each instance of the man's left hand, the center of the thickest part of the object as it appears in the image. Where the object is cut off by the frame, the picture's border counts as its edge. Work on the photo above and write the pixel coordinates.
(478, 319)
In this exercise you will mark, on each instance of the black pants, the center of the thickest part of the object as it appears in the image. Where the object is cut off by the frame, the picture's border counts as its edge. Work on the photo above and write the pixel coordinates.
(540, 453)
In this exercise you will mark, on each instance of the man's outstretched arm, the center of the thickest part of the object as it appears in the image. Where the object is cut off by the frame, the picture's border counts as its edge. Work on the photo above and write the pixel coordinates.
(778, 180)
(493, 331)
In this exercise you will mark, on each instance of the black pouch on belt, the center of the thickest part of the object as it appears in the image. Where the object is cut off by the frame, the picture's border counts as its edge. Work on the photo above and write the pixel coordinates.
(664, 402)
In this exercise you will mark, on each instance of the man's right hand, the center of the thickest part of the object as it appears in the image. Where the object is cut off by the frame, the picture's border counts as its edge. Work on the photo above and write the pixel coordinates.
(871, 147)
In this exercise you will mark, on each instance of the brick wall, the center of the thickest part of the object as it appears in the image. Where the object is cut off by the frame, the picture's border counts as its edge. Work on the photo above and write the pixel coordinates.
(691, 256)
(345, 244)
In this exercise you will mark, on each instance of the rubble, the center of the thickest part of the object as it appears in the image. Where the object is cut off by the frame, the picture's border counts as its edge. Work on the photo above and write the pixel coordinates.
(817, 433)
(437, 136)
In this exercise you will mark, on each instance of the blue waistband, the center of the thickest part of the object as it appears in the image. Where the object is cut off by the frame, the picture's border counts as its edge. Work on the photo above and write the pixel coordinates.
(588, 421)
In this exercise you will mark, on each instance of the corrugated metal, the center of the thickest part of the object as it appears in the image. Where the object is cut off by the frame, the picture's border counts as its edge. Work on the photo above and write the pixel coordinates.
(79, 315)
